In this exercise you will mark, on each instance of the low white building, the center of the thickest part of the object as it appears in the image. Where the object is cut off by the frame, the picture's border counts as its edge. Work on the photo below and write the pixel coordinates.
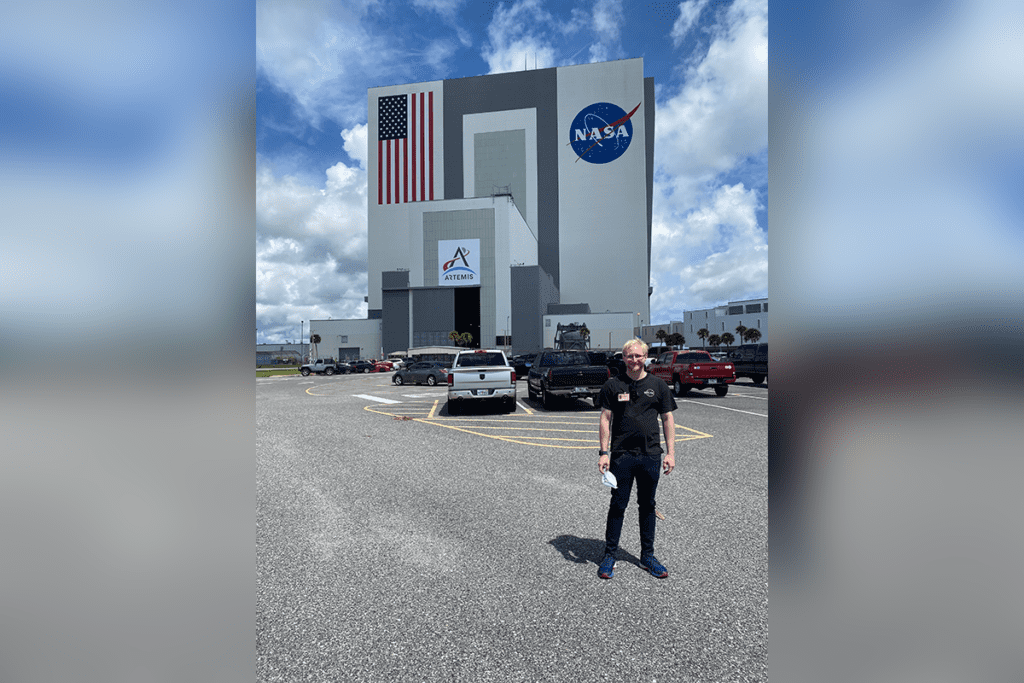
(750, 313)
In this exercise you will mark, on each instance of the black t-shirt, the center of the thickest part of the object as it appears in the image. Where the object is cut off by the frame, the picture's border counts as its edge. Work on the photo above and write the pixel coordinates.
(635, 418)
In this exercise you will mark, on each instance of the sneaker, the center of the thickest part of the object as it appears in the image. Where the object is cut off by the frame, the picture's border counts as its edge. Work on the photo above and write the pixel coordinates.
(657, 569)
(607, 568)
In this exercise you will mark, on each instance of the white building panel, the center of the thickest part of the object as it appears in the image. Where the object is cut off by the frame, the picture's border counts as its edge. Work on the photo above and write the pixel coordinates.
(602, 227)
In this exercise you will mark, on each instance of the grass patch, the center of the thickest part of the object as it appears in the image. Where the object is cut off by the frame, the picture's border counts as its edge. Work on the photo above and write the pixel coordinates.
(282, 371)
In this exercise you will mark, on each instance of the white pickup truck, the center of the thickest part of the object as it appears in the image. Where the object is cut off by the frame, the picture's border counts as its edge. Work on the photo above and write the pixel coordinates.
(481, 375)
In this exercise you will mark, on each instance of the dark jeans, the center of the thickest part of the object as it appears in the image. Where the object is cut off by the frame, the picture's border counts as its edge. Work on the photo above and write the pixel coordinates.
(645, 470)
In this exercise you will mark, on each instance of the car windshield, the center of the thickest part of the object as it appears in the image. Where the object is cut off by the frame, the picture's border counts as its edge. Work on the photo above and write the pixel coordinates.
(691, 357)
(475, 360)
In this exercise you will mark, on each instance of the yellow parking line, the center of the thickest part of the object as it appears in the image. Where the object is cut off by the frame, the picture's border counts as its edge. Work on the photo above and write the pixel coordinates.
(486, 426)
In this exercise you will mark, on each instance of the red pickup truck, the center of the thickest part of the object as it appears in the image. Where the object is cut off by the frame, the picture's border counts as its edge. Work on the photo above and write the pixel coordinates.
(685, 370)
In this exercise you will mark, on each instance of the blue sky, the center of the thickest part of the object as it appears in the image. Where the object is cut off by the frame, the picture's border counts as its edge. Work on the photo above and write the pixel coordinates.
(315, 62)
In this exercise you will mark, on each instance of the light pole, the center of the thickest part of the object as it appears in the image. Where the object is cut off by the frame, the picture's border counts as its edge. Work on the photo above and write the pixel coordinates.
(302, 344)
(639, 332)
(508, 342)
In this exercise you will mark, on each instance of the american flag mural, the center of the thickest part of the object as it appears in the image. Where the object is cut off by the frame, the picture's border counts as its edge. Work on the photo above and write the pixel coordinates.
(405, 148)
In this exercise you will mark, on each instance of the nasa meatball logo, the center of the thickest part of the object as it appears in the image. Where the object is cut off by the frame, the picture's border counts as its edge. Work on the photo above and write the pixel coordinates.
(601, 132)
(649, 393)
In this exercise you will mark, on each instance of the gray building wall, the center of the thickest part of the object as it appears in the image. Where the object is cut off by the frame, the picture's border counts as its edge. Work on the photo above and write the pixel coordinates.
(471, 223)
(433, 316)
(394, 327)
(500, 92)
(567, 309)
(500, 160)
(532, 291)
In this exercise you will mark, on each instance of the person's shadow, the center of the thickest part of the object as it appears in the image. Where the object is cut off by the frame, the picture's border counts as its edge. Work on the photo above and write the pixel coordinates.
(584, 550)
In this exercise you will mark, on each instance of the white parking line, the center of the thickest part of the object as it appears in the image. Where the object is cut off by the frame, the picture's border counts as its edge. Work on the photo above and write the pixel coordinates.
(378, 399)
(712, 405)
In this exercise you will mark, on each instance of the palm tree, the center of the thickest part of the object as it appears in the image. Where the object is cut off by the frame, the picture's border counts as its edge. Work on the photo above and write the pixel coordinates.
(741, 332)
(752, 335)
(703, 334)
(661, 334)
(714, 340)
(727, 338)
(454, 337)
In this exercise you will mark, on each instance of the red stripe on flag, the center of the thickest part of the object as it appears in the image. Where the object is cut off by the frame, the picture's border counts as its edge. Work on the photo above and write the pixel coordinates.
(431, 146)
(412, 138)
(405, 170)
(389, 171)
(380, 172)
(423, 176)
(397, 169)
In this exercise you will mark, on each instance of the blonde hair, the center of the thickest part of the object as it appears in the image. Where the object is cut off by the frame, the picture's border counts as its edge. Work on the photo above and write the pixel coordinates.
(634, 342)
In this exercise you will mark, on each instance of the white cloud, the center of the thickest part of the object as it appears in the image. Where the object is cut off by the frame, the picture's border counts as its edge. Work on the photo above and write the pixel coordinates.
(720, 116)
(355, 144)
(311, 245)
(606, 20)
(438, 54)
(517, 38)
(689, 12)
(445, 8)
(707, 247)
(321, 55)
(716, 252)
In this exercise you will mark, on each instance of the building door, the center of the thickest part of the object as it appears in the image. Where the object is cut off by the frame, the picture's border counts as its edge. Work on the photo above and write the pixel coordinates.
(348, 353)
(467, 312)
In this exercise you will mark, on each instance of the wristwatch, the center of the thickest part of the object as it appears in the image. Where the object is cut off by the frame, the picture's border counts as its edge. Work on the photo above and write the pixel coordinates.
(600, 453)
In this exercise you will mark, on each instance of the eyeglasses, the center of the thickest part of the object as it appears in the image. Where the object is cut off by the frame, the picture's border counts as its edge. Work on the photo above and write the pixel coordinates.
(635, 356)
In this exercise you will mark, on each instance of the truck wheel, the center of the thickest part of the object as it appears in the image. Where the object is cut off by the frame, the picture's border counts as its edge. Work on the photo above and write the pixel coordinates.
(366, 371)
(329, 371)
(680, 388)
(398, 380)
(510, 405)
(452, 410)
(757, 379)
(546, 399)
(721, 391)
(531, 392)
(431, 380)
(305, 372)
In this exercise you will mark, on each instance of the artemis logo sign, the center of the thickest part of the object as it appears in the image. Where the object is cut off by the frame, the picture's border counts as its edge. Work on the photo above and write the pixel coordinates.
(458, 262)
(601, 132)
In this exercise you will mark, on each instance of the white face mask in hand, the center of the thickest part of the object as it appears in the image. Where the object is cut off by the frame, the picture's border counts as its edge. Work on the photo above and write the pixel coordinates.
(608, 479)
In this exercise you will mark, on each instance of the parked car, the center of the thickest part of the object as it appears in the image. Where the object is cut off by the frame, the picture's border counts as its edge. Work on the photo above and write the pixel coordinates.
(321, 366)
(522, 363)
(382, 366)
(430, 372)
(751, 360)
(616, 365)
(343, 368)
(361, 366)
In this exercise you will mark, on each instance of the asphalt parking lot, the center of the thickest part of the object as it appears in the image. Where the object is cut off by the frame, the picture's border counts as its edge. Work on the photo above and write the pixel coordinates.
(397, 542)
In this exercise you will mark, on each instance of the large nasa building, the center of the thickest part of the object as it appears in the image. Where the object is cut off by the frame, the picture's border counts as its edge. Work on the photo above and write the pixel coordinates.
(497, 202)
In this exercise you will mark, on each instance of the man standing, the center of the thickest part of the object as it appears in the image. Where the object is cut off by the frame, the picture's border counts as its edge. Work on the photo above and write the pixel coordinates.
(631, 449)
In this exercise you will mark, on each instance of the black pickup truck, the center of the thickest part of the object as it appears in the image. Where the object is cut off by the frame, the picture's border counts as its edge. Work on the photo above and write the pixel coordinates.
(750, 360)
(565, 374)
